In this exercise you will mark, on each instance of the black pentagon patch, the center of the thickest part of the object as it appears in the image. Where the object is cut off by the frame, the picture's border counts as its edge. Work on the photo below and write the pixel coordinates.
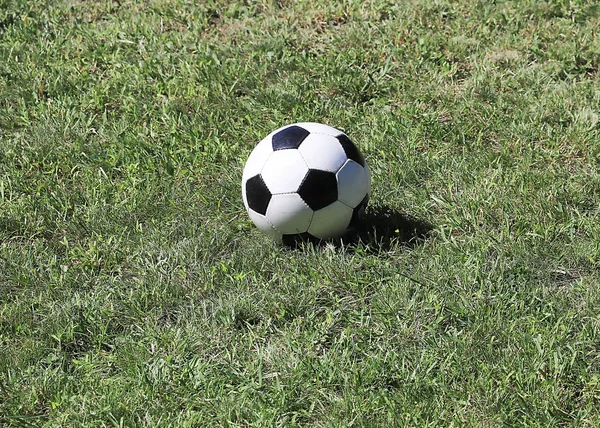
(289, 138)
(358, 213)
(351, 150)
(257, 194)
(318, 189)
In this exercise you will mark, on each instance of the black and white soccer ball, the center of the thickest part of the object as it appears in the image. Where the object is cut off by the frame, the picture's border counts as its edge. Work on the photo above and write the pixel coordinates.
(306, 179)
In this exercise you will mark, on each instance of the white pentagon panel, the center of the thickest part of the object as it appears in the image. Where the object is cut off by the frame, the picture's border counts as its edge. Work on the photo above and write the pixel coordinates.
(262, 224)
(319, 128)
(331, 221)
(284, 171)
(257, 159)
(323, 152)
(289, 214)
(353, 183)
(244, 195)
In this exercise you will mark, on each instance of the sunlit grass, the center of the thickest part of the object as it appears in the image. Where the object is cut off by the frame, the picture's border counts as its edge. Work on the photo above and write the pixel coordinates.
(134, 290)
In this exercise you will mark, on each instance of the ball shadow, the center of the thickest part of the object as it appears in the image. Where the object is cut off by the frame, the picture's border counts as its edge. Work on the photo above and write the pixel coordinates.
(381, 228)
(384, 226)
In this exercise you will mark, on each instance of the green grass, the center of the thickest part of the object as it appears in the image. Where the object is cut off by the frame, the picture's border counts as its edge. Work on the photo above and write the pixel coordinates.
(134, 290)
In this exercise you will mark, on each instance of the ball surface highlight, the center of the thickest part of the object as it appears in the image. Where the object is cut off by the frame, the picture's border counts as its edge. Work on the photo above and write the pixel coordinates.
(306, 179)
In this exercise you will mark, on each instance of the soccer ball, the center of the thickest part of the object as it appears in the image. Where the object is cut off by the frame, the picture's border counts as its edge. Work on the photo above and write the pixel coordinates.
(306, 179)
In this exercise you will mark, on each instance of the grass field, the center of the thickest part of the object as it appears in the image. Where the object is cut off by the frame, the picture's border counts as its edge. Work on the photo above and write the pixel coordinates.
(134, 290)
